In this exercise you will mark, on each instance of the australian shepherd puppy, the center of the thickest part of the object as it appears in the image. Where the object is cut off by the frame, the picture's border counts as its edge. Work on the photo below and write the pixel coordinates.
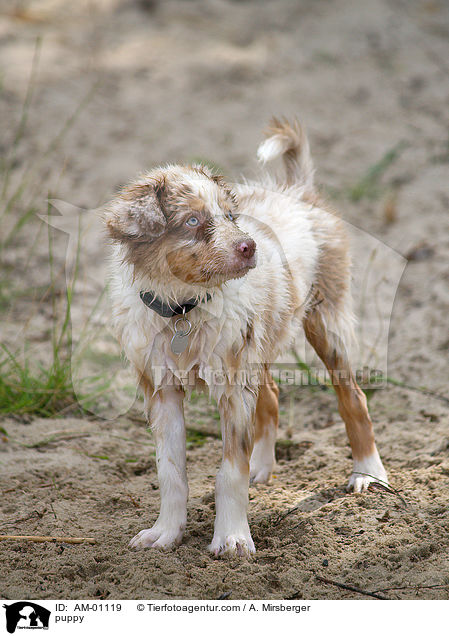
(211, 281)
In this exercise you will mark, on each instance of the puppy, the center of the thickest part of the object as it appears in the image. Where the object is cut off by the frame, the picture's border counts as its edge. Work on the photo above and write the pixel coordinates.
(210, 284)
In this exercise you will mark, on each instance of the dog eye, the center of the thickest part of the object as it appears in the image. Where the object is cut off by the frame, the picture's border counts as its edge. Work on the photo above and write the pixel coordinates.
(230, 216)
(192, 222)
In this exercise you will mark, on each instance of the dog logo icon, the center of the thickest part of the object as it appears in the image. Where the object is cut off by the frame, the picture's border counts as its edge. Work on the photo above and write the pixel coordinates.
(26, 615)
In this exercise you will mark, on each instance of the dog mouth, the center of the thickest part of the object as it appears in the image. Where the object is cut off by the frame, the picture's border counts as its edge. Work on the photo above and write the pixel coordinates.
(244, 269)
(236, 270)
(240, 268)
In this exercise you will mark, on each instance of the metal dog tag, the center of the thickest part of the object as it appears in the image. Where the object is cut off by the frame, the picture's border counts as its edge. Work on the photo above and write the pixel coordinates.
(180, 340)
(179, 343)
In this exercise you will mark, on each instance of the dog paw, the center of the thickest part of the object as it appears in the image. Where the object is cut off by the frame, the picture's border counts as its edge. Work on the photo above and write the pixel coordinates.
(157, 537)
(260, 474)
(239, 544)
(367, 471)
(361, 483)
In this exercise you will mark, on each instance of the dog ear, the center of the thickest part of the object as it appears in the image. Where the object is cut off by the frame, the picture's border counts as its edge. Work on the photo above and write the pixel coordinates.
(137, 213)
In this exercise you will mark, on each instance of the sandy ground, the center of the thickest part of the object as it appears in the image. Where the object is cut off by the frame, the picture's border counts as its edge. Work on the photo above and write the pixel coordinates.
(152, 82)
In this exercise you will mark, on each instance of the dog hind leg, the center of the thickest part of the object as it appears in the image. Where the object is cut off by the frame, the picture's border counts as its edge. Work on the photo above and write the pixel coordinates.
(351, 403)
(267, 421)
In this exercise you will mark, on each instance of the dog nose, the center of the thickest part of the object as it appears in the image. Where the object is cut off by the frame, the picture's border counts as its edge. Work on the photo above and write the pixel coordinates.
(246, 248)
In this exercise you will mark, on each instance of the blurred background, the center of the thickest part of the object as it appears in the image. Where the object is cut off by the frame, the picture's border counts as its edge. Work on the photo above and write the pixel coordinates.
(95, 91)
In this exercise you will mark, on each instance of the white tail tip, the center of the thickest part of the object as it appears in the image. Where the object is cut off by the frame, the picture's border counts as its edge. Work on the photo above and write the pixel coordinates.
(272, 148)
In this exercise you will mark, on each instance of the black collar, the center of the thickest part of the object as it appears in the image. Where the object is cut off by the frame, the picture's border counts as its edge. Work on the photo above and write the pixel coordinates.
(166, 310)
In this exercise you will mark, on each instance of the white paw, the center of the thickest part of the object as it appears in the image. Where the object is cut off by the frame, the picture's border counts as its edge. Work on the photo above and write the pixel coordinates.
(238, 544)
(158, 536)
(367, 471)
(360, 483)
(260, 474)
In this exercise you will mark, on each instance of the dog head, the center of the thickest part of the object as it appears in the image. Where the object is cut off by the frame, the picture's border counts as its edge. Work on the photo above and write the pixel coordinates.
(181, 223)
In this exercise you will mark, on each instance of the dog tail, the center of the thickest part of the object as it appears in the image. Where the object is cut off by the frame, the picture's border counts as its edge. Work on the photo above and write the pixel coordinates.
(289, 141)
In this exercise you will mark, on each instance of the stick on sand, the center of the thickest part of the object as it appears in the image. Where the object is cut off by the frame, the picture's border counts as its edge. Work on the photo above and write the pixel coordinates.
(42, 539)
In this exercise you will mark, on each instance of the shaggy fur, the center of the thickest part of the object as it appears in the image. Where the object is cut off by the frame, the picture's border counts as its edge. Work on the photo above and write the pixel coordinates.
(264, 260)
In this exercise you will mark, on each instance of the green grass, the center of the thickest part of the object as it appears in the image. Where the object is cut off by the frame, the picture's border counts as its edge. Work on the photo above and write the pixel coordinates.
(34, 389)
(195, 437)
(31, 386)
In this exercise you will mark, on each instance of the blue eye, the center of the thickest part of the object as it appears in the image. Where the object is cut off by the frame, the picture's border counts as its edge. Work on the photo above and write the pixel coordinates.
(192, 222)
(230, 216)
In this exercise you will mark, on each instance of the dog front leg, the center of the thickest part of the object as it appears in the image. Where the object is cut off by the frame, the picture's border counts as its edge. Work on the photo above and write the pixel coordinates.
(166, 417)
(232, 532)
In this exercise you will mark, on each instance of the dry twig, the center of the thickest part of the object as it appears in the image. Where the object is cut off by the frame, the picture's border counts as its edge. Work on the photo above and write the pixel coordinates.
(351, 588)
(43, 539)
